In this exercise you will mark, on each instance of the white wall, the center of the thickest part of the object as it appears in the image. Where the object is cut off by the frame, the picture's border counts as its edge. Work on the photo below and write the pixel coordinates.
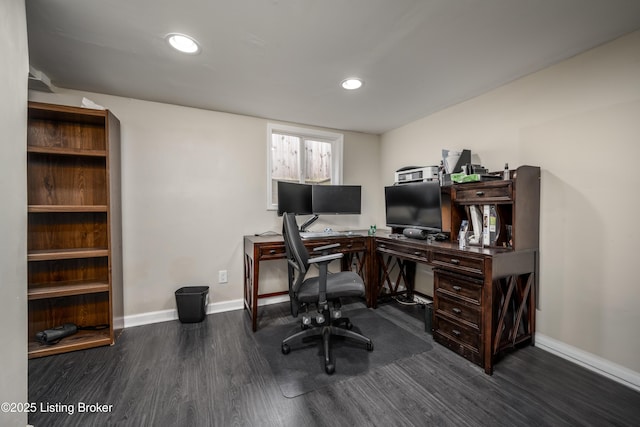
(13, 213)
(194, 182)
(580, 122)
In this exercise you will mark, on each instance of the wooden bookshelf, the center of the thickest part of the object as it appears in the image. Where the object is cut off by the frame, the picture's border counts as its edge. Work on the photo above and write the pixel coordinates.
(74, 237)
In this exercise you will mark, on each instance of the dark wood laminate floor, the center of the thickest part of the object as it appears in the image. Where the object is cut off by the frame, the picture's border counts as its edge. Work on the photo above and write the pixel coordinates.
(212, 374)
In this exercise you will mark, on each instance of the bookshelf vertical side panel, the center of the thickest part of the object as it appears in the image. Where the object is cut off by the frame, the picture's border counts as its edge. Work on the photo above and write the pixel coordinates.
(526, 215)
(115, 223)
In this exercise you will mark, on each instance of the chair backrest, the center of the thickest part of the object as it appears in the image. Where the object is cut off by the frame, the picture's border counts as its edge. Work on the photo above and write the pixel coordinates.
(294, 247)
(297, 259)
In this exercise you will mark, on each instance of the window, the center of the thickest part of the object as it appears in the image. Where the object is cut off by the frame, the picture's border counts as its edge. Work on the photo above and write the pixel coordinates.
(301, 155)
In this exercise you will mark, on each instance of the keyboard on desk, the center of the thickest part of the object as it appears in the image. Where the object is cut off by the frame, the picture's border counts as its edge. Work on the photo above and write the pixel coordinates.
(321, 234)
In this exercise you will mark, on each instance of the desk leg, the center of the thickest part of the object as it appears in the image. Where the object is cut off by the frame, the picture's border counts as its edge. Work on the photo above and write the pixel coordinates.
(251, 274)
(504, 311)
(254, 296)
(516, 317)
(410, 278)
(405, 274)
(524, 298)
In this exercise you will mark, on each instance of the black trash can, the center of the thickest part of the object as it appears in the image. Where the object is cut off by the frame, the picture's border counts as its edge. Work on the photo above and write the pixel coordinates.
(192, 303)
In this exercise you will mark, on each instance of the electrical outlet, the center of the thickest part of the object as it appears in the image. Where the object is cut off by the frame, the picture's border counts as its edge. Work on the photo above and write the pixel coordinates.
(222, 276)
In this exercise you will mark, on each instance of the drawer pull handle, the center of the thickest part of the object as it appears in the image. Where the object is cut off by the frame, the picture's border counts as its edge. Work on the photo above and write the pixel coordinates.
(382, 246)
(455, 261)
(349, 246)
(272, 251)
(457, 288)
(479, 193)
(417, 253)
(457, 310)
(456, 332)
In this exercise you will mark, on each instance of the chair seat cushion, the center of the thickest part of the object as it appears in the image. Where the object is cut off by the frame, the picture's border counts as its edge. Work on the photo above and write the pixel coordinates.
(342, 284)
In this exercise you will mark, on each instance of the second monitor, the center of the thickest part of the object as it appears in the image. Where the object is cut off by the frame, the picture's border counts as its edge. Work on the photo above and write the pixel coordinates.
(336, 199)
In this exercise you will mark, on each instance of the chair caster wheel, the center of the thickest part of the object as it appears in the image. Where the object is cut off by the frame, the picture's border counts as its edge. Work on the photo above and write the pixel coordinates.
(329, 368)
(370, 346)
(286, 349)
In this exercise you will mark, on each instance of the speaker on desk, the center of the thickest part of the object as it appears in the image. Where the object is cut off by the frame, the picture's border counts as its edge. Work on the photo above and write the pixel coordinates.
(415, 233)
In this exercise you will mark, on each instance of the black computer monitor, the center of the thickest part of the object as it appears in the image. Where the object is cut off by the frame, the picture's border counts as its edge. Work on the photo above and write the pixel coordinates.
(336, 199)
(415, 205)
(294, 198)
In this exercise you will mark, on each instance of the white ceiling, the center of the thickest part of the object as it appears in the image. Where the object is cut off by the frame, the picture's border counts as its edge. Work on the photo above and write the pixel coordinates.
(285, 59)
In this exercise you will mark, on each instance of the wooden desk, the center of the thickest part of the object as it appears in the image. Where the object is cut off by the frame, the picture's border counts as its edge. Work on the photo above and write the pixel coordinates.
(356, 248)
(484, 298)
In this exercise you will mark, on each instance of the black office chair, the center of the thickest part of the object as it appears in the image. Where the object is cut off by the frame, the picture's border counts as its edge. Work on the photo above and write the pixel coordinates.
(323, 291)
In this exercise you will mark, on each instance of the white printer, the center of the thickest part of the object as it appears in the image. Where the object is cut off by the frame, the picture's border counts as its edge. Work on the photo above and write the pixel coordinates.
(416, 174)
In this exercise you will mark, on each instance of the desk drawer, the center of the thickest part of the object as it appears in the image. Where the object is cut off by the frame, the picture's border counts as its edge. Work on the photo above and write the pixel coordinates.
(346, 246)
(459, 338)
(276, 251)
(458, 287)
(352, 245)
(458, 309)
(459, 262)
(402, 250)
(500, 191)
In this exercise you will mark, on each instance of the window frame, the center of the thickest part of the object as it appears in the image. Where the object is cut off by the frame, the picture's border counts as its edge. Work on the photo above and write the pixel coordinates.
(335, 139)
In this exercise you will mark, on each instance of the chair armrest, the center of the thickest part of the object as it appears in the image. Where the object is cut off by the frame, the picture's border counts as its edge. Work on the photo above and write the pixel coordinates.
(325, 258)
(325, 247)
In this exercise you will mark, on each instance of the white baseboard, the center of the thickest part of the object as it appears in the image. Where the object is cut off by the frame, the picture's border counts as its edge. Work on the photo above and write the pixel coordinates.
(167, 315)
(221, 307)
(590, 361)
(216, 307)
(150, 317)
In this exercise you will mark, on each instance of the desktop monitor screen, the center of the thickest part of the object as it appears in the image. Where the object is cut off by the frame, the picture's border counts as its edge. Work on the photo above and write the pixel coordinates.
(336, 199)
(294, 198)
(415, 205)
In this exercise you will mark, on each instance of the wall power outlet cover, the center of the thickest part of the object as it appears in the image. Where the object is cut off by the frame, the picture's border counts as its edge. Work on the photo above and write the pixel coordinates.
(222, 276)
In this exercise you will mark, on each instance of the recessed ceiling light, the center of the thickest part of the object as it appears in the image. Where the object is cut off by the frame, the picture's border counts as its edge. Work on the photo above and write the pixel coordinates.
(351, 83)
(183, 43)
